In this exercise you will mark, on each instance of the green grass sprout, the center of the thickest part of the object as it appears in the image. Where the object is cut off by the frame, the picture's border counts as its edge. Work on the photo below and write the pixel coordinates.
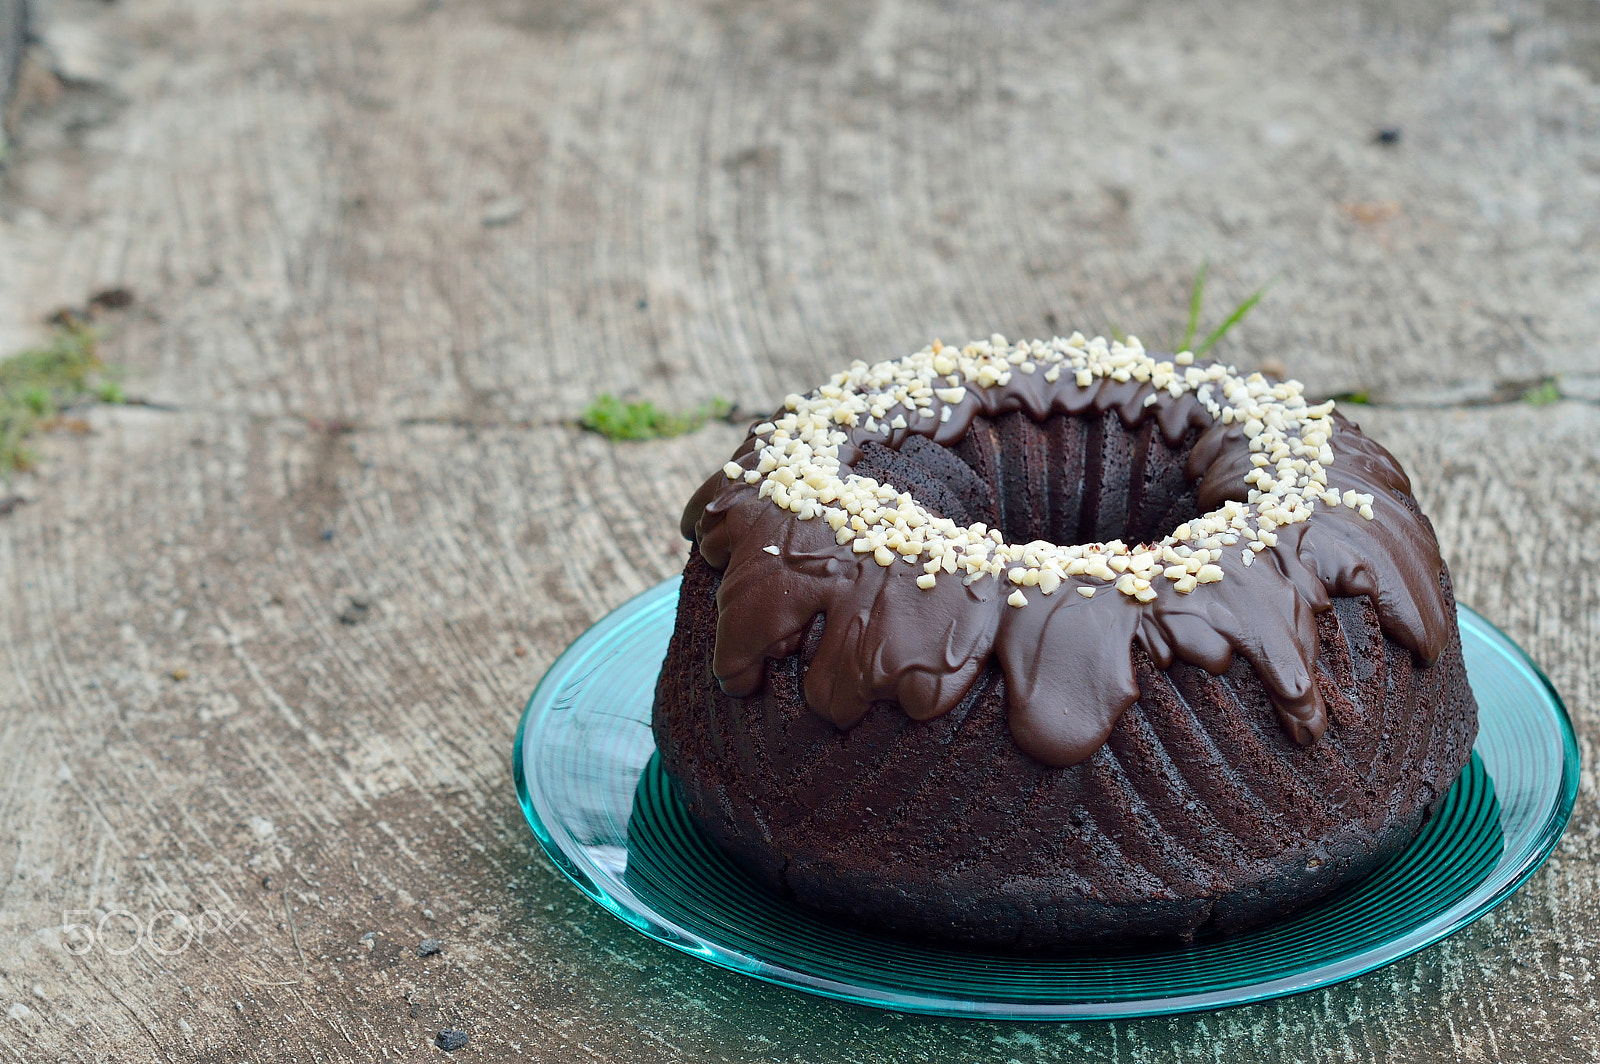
(38, 384)
(1232, 319)
(1197, 298)
(616, 420)
(1195, 295)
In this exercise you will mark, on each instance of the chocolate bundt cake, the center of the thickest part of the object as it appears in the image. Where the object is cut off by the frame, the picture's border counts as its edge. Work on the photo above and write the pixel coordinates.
(1050, 644)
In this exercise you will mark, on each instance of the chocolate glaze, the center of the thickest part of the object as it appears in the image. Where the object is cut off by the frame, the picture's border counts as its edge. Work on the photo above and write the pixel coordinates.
(1068, 661)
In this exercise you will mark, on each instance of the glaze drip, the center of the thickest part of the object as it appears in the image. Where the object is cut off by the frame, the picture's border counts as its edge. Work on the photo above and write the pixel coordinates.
(1066, 657)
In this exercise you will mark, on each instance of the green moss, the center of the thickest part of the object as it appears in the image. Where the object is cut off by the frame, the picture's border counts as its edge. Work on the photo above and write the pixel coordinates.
(36, 385)
(616, 420)
(1360, 398)
(1544, 393)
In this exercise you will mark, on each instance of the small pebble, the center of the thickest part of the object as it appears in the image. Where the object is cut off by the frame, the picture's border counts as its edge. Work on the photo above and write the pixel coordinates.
(428, 947)
(180, 674)
(327, 534)
(1387, 136)
(503, 211)
(355, 610)
(450, 1041)
(427, 914)
(111, 299)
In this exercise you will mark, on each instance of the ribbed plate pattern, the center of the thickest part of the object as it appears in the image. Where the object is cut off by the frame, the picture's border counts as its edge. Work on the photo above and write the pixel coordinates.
(603, 810)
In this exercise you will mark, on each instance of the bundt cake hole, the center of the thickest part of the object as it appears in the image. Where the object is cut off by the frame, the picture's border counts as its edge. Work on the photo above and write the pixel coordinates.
(1065, 480)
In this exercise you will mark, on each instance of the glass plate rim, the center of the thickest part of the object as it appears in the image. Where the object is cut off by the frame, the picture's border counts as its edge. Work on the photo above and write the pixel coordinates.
(638, 916)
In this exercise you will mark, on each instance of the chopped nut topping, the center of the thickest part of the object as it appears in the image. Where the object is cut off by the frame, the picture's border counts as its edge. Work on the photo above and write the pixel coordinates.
(798, 467)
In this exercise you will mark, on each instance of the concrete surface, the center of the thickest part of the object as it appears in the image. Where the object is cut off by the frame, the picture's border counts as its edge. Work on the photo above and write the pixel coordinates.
(383, 252)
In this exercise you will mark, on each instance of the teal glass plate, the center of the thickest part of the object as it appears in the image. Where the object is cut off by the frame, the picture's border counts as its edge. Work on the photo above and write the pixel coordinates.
(596, 797)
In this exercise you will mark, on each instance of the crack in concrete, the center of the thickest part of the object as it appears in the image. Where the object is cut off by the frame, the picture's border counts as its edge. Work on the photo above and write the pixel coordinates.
(1467, 395)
